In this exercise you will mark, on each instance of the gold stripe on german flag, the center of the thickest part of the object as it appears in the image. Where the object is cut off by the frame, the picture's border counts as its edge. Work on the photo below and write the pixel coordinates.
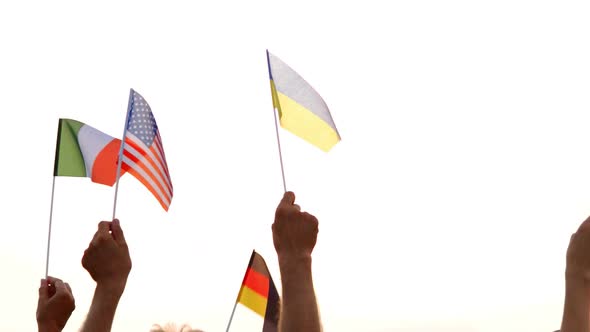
(259, 293)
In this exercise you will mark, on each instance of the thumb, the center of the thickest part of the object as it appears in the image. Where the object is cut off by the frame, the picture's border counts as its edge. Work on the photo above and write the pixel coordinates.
(288, 198)
(118, 232)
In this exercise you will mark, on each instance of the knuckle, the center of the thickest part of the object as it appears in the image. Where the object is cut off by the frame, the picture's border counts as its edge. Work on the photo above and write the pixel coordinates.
(101, 238)
(283, 210)
(85, 259)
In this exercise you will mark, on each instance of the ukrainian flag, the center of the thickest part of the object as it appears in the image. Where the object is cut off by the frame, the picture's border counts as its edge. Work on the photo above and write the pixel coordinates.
(302, 110)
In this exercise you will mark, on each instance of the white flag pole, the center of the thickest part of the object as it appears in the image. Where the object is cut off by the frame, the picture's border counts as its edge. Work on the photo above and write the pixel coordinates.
(239, 293)
(274, 112)
(49, 232)
(55, 167)
(120, 159)
(280, 154)
(231, 317)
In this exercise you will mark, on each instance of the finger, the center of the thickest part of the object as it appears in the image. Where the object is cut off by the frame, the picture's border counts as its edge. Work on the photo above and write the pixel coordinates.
(118, 232)
(102, 233)
(104, 227)
(51, 289)
(297, 207)
(311, 220)
(68, 288)
(60, 287)
(52, 280)
(43, 292)
(101, 230)
(288, 198)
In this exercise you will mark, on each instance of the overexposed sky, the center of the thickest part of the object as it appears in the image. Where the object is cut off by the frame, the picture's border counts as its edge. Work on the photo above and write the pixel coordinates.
(463, 168)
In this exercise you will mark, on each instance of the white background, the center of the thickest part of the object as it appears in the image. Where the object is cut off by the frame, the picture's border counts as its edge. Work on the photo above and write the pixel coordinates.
(464, 164)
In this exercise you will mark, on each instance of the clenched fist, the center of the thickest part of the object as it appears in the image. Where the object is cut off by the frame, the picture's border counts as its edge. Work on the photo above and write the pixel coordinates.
(55, 306)
(107, 257)
(294, 232)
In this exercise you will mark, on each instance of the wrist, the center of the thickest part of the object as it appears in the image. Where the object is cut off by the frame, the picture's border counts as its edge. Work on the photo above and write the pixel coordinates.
(112, 289)
(48, 327)
(295, 268)
(294, 261)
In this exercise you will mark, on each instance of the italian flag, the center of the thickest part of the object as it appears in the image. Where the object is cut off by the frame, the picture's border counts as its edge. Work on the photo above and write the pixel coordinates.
(86, 152)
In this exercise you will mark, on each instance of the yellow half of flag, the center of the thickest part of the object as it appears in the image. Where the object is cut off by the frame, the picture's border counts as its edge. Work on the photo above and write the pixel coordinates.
(302, 111)
(253, 300)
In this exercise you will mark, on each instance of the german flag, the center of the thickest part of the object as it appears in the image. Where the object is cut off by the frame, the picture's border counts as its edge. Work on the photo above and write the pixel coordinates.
(258, 292)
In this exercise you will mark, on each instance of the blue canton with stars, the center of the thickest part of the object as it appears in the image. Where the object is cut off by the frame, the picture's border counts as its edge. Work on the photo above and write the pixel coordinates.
(141, 121)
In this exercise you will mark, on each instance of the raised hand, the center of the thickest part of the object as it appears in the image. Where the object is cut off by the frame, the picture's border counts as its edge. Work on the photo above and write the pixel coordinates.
(294, 232)
(55, 306)
(108, 262)
(295, 235)
(107, 258)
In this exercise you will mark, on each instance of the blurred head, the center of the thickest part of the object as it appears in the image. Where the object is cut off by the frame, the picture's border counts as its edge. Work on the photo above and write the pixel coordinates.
(171, 327)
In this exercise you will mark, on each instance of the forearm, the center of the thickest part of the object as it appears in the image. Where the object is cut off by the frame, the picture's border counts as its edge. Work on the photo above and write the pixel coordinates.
(102, 310)
(48, 328)
(299, 310)
(576, 308)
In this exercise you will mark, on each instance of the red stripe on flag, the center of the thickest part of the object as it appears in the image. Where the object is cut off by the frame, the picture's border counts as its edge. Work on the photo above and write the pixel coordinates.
(160, 150)
(141, 179)
(159, 153)
(256, 282)
(146, 156)
(164, 167)
(140, 164)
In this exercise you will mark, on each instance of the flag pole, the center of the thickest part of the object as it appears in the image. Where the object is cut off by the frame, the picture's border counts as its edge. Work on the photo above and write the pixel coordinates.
(55, 171)
(274, 112)
(120, 159)
(231, 317)
(49, 232)
(280, 154)
(240, 292)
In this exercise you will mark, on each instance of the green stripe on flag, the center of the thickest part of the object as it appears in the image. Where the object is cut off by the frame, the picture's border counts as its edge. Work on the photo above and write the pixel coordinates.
(68, 156)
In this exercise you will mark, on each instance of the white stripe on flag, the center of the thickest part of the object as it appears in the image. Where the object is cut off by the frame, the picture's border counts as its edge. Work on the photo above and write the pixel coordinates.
(147, 178)
(142, 160)
(160, 153)
(149, 152)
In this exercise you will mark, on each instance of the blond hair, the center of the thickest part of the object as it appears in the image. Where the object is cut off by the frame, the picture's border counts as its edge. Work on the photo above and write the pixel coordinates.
(171, 327)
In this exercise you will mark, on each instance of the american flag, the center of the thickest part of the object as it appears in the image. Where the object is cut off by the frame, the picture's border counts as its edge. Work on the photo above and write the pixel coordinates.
(143, 153)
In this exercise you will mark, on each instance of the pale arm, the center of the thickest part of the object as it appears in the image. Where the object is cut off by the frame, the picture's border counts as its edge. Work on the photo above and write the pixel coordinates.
(576, 308)
(102, 310)
(299, 305)
(294, 236)
(108, 262)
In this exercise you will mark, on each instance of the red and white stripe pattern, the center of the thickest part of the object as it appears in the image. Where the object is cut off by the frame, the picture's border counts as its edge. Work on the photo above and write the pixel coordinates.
(143, 153)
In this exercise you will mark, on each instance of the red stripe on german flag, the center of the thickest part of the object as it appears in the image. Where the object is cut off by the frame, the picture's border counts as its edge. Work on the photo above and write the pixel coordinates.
(258, 292)
(256, 282)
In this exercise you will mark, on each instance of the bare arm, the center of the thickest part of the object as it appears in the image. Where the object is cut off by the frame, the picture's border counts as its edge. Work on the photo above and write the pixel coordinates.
(108, 263)
(294, 237)
(102, 310)
(576, 308)
(299, 306)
